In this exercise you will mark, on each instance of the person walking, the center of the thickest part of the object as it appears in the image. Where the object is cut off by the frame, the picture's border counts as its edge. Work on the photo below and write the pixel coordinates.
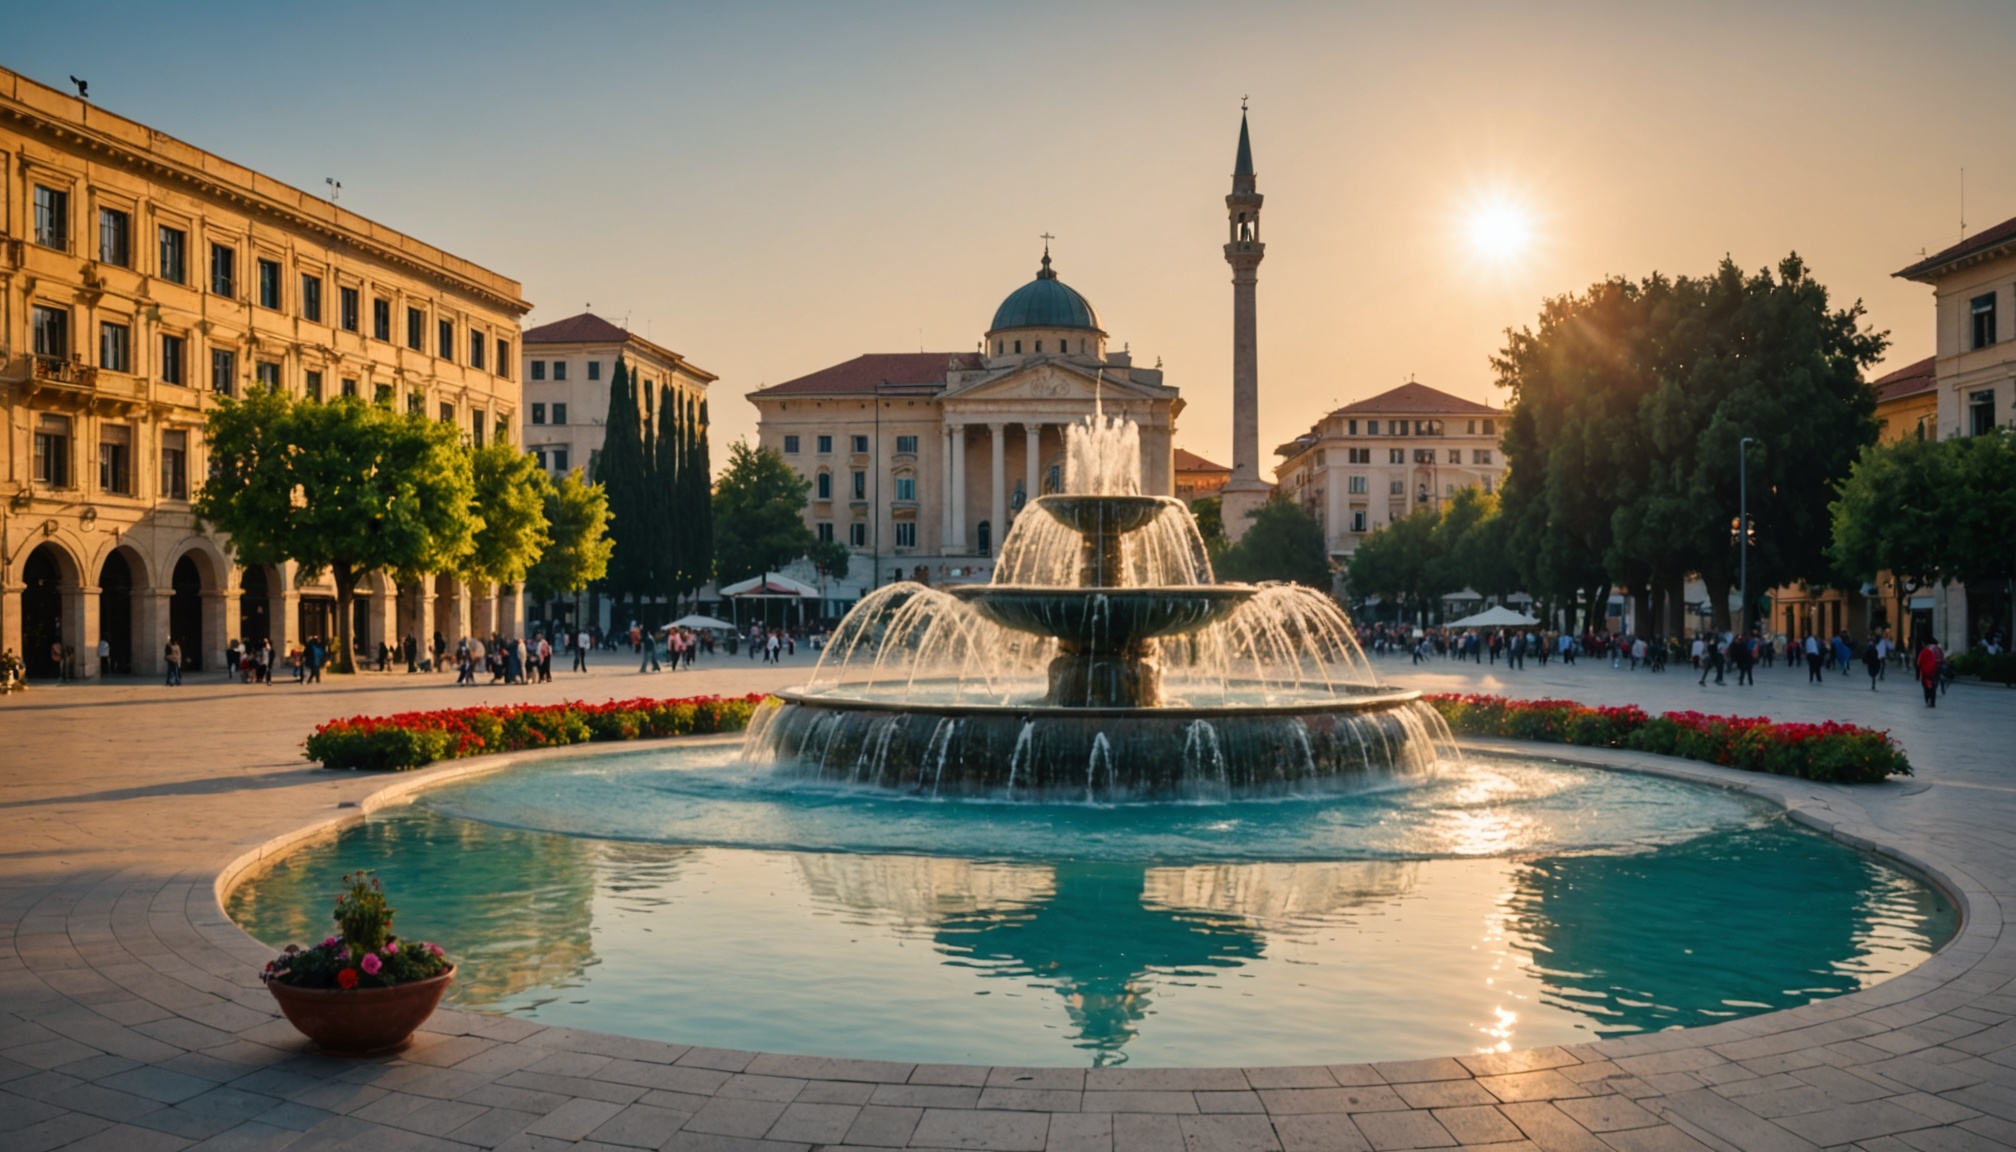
(1929, 660)
(771, 648)
(1872, 662)
(650, 661)
(1711, 659)
(265, 662)
(545, 660)
(410, 648)
(104, 657)
(315, 659)
(581, 651)
(1813, 660)
(172, 657)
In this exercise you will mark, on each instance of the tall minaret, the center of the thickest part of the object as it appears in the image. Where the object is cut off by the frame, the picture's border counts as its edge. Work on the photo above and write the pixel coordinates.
(1245, 492)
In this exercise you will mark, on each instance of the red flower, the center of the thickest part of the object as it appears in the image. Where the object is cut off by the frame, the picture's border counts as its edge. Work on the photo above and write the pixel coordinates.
(346, 979)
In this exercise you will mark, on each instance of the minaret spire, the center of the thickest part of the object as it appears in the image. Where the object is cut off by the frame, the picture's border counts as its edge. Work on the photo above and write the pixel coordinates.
(1245, 492)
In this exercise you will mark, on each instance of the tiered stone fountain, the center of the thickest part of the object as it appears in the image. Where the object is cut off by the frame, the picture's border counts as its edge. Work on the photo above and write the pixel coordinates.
(1104, 664)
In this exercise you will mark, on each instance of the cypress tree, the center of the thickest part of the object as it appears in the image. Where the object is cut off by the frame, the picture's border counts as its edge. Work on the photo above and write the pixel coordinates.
(665, 487)
(620, 469)
(699, 502)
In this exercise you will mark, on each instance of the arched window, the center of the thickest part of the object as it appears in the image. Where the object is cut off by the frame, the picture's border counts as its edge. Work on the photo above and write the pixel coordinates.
(1039, 346)
(984, 535)
(1018, 347)
(906, 485)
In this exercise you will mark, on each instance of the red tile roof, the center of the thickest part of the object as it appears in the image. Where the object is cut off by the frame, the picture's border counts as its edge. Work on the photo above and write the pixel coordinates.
(1412, 399)
(1983, 244)
(587, 328)
(868, 372)
(1188, 461)
(1906, 381)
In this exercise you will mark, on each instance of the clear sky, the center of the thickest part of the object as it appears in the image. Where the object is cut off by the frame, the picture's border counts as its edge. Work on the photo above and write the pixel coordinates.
(771, 188)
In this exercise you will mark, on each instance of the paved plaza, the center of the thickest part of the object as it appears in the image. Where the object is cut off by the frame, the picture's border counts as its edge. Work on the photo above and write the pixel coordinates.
(131, 1015)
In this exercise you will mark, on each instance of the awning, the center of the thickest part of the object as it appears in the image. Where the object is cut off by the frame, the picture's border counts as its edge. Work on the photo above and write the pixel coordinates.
(1499, 617)
(696, 621)
(770, 586)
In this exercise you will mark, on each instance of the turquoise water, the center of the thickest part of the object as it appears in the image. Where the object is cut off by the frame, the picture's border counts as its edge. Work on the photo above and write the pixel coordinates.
(1503, 904)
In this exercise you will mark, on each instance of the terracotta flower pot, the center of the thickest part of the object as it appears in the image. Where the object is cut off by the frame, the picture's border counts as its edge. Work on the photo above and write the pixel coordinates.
(362, 1021)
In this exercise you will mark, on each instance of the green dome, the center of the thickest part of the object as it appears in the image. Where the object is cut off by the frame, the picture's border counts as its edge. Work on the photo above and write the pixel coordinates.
(1045, 302)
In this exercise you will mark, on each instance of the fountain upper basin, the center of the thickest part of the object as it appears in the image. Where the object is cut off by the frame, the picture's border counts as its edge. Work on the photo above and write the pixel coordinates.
(1095, 515)
(1106, 619)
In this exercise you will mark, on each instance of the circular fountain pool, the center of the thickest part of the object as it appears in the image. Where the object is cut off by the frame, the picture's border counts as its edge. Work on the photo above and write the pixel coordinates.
(1495, 903)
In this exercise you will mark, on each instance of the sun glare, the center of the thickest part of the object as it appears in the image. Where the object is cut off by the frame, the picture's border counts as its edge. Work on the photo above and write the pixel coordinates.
(1498, 230)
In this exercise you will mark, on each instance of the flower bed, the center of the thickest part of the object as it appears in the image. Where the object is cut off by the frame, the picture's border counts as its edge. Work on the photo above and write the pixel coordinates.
(1829, 751)
(410, 740)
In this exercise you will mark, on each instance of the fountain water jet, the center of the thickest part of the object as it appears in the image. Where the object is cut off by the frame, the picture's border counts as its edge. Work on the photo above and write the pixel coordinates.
(1103, 664)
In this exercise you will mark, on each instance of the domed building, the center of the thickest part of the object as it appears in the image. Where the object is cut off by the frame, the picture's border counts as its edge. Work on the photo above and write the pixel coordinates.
(920, 461)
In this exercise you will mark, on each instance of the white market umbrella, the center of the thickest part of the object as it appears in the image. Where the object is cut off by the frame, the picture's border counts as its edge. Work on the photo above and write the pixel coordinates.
(696, 621)
(1498, 617)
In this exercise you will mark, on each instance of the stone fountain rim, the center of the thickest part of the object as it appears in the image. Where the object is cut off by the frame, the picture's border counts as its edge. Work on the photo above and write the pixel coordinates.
(1378, 700)
(1214, 591)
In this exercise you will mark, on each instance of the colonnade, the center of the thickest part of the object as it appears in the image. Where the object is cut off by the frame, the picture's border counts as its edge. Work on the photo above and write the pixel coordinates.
(953, 527)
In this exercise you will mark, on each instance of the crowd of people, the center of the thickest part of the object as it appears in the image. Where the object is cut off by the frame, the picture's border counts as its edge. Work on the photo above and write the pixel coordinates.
(1716, 655)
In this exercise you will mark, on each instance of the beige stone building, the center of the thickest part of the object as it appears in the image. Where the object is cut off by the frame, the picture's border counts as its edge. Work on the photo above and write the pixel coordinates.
(920, 461)
(1374, 461)
(142, 279)
(568, 366)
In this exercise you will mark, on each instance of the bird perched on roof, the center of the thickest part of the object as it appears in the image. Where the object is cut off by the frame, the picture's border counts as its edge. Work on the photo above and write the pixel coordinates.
(83, 88)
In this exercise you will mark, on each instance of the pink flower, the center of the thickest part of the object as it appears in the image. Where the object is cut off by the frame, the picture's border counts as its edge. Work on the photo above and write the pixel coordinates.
(371, 964)
(436, 949)
(329, 942)
(392, 948)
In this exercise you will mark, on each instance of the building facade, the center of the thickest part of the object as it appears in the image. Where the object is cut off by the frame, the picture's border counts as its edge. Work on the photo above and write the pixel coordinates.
(1198, 478)
(1375, 461)
(921, 461)
(568, 366)
(1974, 369)
(143, 280)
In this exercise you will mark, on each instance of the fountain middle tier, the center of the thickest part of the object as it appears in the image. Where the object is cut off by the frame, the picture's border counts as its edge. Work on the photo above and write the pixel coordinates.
(1103, 655)
(1098, 755)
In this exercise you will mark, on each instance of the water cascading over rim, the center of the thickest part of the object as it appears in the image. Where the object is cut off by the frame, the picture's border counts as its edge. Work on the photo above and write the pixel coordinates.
(1103, 663)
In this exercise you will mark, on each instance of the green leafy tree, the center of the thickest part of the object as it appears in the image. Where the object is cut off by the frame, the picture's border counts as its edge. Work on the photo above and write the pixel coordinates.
(1209, 512)
(509, 510)
(1284, 542)
(577, 517)
(344, 487)
(759, 514)
(1393, 562)
(831, 558)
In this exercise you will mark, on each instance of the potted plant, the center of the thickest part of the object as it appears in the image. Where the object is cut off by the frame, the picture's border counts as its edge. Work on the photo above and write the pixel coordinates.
(362, 990)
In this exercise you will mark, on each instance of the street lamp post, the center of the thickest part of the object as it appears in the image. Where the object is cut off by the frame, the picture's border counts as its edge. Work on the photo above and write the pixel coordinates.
(1743, 525)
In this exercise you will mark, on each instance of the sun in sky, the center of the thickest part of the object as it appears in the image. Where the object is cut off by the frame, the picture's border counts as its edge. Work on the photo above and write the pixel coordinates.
(1497, 229)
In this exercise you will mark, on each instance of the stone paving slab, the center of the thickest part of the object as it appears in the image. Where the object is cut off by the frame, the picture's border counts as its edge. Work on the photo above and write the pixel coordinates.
(131, 1016)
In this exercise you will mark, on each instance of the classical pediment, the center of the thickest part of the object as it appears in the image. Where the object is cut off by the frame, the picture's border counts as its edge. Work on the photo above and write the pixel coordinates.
(1053, 380)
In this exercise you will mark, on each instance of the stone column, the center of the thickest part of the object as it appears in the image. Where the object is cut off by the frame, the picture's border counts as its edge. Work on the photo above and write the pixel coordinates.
(960, 541)
(945, 536)
(451, 612)
(1034, 446)
(482, 611)
(10, 617)
(384, 620)
(218, 610)
(83, 609)
(423, 617)
(283, 609)
(150, 631)
(997, 507)
(509, 611)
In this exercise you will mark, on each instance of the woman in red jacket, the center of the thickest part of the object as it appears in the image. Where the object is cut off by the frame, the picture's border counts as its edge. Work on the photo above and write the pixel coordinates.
(1929, 659)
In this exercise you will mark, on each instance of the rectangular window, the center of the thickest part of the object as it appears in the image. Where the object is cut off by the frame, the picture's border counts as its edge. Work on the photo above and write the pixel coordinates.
(560, 460)
(382, 395)
(907, 444)
(906, 534)
(311, 385)
(52, 218)
(266, 374)
(444, 330)
(115, 237)
(1455, 455)
(559, 414)
(906, 488)
(1424, 456)
(224, 270)
(857, 535)
(1360, 485)
(115, 459)
(1983, 308)
(538, 369)
(1358, 520)
(1490, 427)
(269, 284)
(1396, 488)
(477, 425)
(416, 329)
(1396, 455)
(415, 403)
(381, 320)
(860, 443)
(1371, 427)
(174, 465)
(594, 369)
(825, 445)
(1361, 455)
(447, 413)
(559, 370)
(1487, 486)
(538, 456)
(172, 352)
(223, 371)
(1351, 427)
(825, 488)
(476, 349)
(1980, 413)
(790, 445)
(174, 255)
(311, 298)
(1480, 456)
(504, 358)
(52, 451)
(825, 531)
(1470, 426)
(860, 485)
(538, 413)
(349, 386)
(52, 332)
(115, 347)
(346, 309)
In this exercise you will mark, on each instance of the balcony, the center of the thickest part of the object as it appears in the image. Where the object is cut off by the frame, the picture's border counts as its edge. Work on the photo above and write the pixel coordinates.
(58, 371)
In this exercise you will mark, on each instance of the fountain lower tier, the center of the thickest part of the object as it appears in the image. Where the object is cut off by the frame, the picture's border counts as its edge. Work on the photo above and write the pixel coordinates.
(1098, 755)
